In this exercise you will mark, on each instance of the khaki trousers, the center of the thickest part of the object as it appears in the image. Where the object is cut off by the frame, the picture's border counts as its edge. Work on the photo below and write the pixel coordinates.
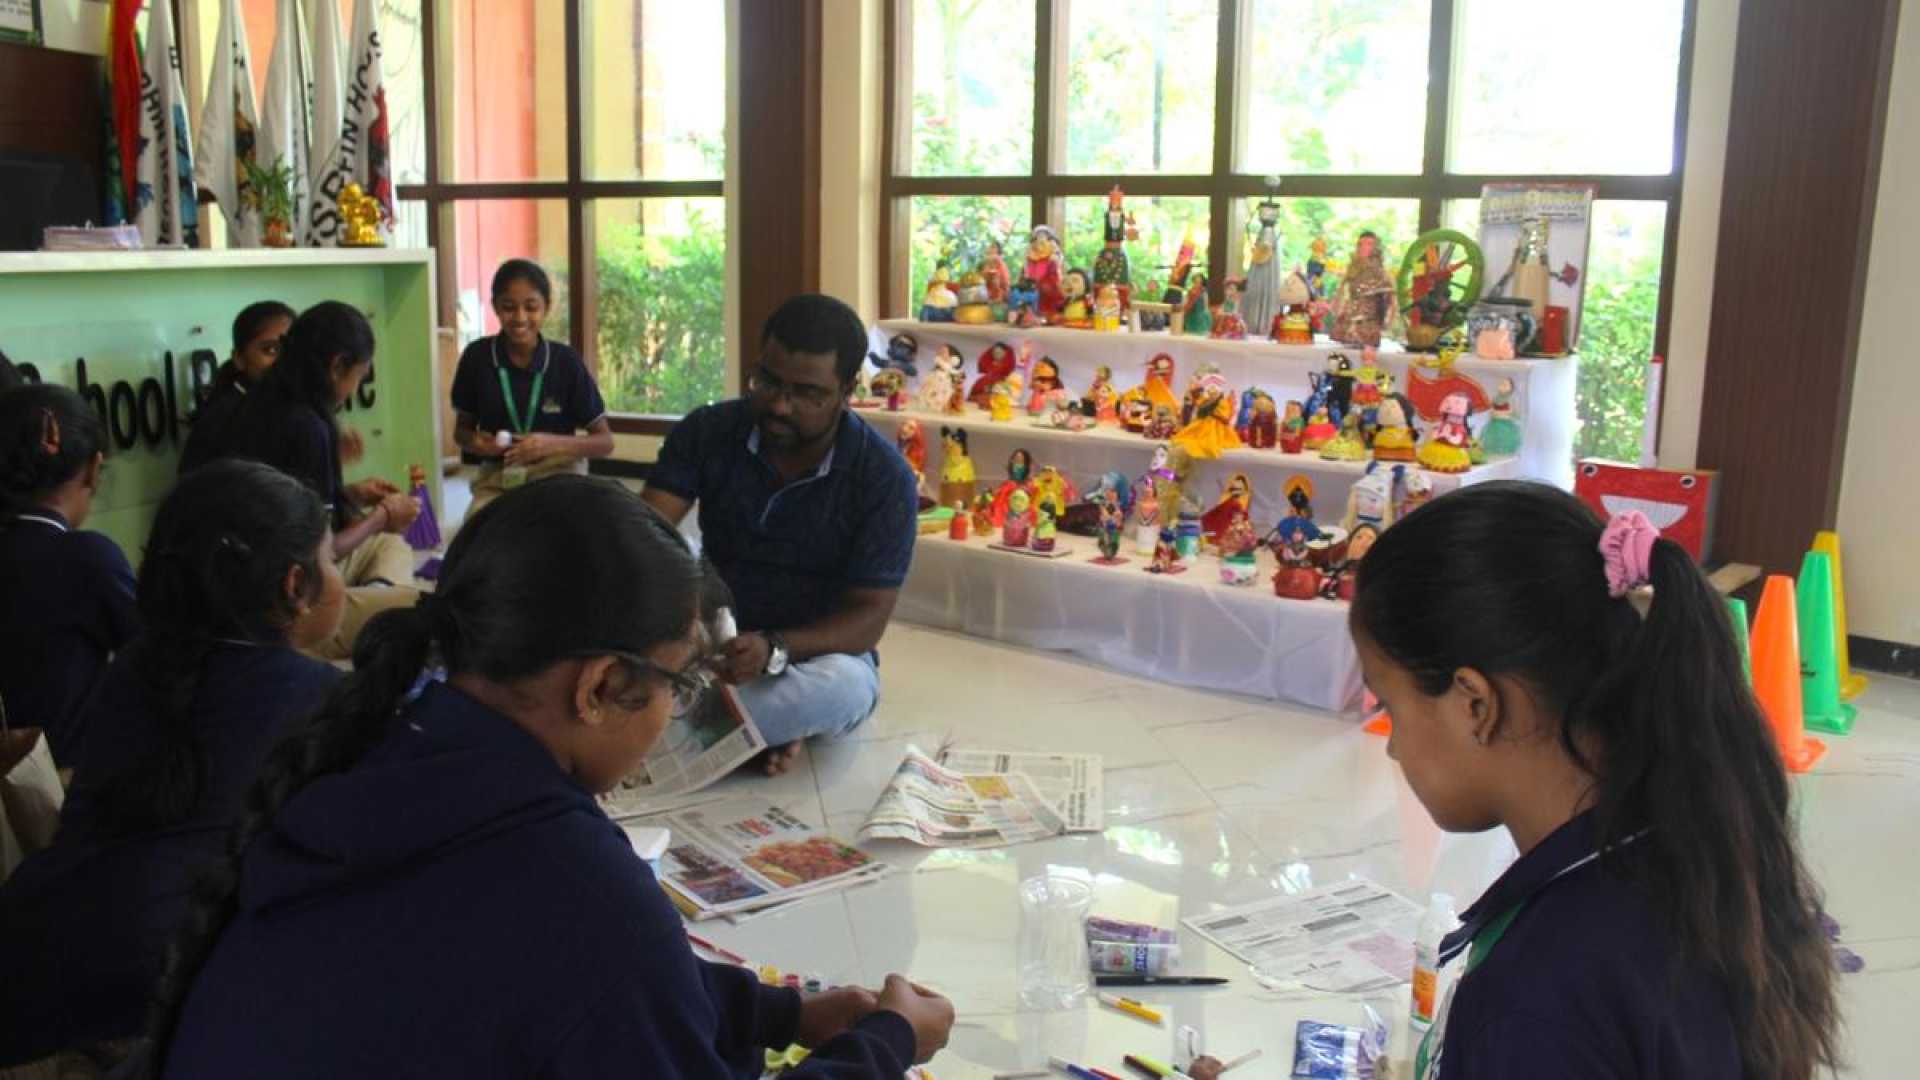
(487, 482)
(379, 576)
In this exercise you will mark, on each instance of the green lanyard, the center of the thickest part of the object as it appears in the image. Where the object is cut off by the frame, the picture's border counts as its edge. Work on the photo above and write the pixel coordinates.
(1483, 943)
(506, 392)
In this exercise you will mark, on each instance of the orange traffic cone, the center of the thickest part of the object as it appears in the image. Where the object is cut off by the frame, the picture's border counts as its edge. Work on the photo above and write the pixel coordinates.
(1827, 543)
(1378, 722)
(1776, 674)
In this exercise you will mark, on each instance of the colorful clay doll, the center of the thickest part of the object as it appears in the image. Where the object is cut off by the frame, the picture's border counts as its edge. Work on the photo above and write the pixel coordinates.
(1296, 578)
(1414, 494)
(1210, 434)
(1044, 270)
(1046, 379)
(995, 364)
(1365, 303)
(1016, 524)
(1298, 491)
(1000, 403)
(1023, 304)
(1107, 312)
(1045, 529)
(1236, 503)
(1170, 483)
(1228, 325)
(1198, 318)
(1347, 444)
(1393, 436)
(1340, 380)
(902, 349)
(1110, 267)
(1260, 300)
(957, 526)
(1166, 556)
(1146, 521)
(1294, 324)
(957, 479)
(1370, 500)
(1076, 307)
(1162, 426)
(983, 515)
(1502, 434)
(1293, 429)
(912, 444)
(1051, 488)
(1106, 400)
(1135, 415)
(937, 386)
(892, 386)
(994, 272)
(938, 302)
(975, 307)
(1237, 547)
(1263, 426)
(1019, 481)
(1112, 520)
(1359, 542)
(1446, 448)
(1319, 431)
(1157, 389)
(1186, 530)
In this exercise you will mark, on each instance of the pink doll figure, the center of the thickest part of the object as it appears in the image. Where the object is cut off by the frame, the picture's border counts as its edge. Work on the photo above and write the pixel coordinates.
(1017, 530)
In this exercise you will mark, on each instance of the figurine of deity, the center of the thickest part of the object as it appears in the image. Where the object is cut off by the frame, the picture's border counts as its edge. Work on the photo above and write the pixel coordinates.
(360, 214)
(1104, 397)
(1366, 303)
(1236, 503)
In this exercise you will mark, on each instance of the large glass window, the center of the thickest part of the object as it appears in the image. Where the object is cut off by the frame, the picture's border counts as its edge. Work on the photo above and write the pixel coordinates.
(1386, 115)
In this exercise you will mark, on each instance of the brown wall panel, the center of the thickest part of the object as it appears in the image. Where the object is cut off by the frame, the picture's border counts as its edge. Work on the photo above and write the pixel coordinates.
(779, 146)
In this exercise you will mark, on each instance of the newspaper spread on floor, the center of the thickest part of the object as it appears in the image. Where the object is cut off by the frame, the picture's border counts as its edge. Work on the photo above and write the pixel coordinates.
(1350, 937)
(939, 807)
(695, 750)
(1072, 783)
(742, 856)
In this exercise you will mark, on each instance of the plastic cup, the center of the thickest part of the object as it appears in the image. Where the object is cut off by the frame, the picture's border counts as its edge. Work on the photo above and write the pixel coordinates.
(1053, 945)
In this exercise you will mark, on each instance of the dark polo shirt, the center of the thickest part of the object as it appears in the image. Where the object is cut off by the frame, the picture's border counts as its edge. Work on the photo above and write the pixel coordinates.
(569, 398)
(790, 553)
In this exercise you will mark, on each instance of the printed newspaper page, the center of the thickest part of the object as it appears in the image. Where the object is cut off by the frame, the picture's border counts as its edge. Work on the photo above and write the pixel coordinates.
(938, 807)
(741, 856)
(1071, 782)
(694, 751)
(1346, 938)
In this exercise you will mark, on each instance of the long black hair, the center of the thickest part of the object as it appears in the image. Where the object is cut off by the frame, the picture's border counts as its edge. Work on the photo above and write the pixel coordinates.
(1507, 579)
(48, 435)
(525, 270)
(569, 567)
(215, 568)
(324, 337)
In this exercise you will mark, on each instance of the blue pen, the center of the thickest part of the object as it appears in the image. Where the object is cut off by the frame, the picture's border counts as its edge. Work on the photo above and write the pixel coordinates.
(1071, 1069)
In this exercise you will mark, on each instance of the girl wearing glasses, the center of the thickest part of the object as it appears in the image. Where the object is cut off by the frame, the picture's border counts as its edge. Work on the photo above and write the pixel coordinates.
(521, 400)
(428, 862)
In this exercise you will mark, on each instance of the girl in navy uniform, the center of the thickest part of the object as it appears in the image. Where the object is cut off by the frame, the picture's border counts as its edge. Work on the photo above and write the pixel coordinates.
(66, 596)
(288, 421)
(1659, 922)
(424, 883)
(259, 331)
(238, 574)
(519, 399)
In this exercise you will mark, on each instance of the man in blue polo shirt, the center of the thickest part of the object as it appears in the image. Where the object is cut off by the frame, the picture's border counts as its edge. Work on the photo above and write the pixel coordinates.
(808, 514)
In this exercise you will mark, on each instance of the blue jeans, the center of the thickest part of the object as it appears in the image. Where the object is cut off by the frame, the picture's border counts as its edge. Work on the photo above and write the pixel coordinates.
(827, 695)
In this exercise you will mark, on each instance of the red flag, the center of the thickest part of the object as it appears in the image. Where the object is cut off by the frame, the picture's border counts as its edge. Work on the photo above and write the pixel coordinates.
(124, 75)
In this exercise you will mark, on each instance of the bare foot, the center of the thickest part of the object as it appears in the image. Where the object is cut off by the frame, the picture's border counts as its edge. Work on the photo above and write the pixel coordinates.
(775, 760)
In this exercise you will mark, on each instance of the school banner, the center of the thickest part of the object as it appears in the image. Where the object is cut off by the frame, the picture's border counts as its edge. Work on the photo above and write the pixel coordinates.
(320, 227)
(229, 123)
(165, 210)
(285, 131)
(362, 153)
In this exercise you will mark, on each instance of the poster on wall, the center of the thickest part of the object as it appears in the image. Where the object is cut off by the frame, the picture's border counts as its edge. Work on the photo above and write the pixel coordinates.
(20, 21)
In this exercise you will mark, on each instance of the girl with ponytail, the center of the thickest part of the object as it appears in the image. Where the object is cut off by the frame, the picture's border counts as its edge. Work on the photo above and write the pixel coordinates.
(236, 578)
(423, 881)
(66, 596)
(1659, 921)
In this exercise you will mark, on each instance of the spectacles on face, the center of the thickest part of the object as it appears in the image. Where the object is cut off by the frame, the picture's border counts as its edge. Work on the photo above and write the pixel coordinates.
(764, 384)
(690, 684)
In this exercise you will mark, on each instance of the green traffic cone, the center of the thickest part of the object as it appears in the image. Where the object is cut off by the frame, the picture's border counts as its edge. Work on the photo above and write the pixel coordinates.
(1819, 666)
(1737, 614)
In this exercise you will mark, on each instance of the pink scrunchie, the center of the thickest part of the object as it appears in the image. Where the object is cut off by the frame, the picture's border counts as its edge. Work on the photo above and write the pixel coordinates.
(1627, 547)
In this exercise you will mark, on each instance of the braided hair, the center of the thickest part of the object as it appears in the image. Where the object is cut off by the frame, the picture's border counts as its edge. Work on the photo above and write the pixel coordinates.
(48, 435)
(564, 568)
(215, 568)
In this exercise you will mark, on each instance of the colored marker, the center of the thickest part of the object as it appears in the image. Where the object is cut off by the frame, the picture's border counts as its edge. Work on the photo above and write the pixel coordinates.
(724, 954)
(1155, 1068)
(1024, 1074)
(1239, 1061)
(1068, 1067)
(1102, 1073)
(1139, 1010)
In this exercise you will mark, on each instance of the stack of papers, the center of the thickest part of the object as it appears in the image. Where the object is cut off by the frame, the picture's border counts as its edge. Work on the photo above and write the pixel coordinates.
(939, 803)
(743, 856)
(1351, 937)
(104, 238)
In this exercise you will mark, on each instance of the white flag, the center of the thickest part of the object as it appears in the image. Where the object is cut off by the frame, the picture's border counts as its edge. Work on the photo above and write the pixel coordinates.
(321, 225)
(362, 154)
(284, 128)
(228, 123)
(166, 213)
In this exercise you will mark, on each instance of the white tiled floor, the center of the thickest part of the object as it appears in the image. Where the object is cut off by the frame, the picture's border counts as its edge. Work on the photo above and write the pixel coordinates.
(1216, 800)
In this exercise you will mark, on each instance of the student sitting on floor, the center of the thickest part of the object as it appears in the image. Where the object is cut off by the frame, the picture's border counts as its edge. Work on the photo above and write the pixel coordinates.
(809, 514)
(427, 885)
(238, 574)
(537, 392)
(66, 596)
(1659, 922)
(288, 421)
(259, 331)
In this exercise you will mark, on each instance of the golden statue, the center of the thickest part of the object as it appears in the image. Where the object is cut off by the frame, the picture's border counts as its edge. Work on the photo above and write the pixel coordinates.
(360, 218)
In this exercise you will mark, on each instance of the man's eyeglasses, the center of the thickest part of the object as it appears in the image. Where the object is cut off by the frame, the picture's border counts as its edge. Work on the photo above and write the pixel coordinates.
(762, 383)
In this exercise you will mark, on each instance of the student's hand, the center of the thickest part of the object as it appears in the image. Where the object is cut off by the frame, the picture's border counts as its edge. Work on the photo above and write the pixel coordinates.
(485, 444)
(370, 491)
(538, 446)
(822, 1016)
(353, 446)
(930, 1014)
(401, 511)
(744, 658)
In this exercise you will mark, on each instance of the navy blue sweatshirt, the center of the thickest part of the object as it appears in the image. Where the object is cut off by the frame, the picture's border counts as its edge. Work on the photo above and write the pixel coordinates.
(455, 905)
(66, 603)
(84, 925)
(1585, 983)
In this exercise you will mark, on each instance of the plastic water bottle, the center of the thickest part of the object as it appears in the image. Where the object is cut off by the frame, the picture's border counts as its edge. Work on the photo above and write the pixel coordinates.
(1439, 921)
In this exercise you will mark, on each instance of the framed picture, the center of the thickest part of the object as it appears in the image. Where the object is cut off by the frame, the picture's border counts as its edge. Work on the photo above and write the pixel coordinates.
(20, 21)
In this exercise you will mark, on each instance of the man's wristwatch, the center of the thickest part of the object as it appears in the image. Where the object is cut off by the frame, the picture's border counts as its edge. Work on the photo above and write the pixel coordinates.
(776, 653)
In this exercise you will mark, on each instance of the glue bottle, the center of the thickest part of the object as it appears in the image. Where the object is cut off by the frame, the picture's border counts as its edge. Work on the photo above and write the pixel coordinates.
(1438, 923)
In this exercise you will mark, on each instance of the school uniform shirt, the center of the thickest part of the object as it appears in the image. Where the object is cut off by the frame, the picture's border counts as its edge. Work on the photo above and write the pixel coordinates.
(1583, 983)
(296, 439)
(456, 905)
(789, 553)
(569, 398)
(66, 604)
(84, 924)
(207, 434)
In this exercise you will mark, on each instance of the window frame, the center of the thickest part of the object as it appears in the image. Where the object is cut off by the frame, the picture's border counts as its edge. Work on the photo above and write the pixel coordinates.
(441, 193)
(1048, 185)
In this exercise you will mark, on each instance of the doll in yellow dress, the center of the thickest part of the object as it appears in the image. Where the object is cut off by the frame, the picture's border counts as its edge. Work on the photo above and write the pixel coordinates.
(1447, 449)
(1394, 439)
(957, 477)
(1349, 444)
(1211, 432)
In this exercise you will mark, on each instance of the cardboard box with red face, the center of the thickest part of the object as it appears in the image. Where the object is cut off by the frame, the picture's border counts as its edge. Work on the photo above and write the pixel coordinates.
(1680, 503)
